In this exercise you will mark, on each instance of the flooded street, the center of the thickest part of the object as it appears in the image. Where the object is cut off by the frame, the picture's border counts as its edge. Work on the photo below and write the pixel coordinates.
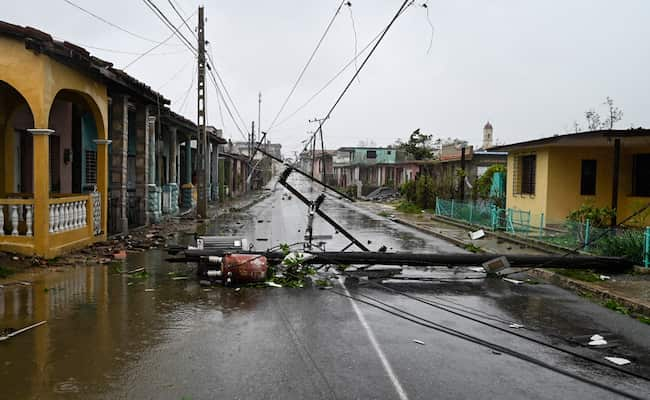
(161, 336)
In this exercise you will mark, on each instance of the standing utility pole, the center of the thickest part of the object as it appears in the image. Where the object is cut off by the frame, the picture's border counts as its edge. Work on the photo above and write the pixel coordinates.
(202, 142)
(322, 147)
(250, 153)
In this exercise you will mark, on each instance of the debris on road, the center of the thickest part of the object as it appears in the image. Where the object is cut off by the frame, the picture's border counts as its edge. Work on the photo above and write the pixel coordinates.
(180, 278)
(418, 342)
(477, 234)
(273, 284)
(13, 333)
(618, 360)
(149, 290)
(605, 277)
(513, 281)
(516, 326)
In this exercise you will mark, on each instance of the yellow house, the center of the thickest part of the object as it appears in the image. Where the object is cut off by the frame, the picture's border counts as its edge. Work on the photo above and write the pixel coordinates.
(555, 175)
(53, 145)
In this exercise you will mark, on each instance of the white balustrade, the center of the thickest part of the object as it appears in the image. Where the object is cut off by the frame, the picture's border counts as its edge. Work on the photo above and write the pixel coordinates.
(18, 217)
(14, 220)
(28, 220)
(68, 216)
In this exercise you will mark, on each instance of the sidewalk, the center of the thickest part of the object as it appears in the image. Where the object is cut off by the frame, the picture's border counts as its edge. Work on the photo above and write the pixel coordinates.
(627, 293)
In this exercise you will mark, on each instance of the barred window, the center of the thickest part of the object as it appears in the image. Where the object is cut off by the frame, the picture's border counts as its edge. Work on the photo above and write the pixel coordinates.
(91, 167)
(528, 170)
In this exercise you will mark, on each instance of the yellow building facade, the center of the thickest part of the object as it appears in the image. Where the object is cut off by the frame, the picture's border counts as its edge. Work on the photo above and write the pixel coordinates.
(35, 217)
(572, 170)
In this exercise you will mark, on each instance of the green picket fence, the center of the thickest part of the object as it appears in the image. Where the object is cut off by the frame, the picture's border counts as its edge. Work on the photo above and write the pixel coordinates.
(632, 243)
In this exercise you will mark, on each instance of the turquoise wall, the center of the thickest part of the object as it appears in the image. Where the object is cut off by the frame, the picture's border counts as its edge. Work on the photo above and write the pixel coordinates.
(384, 156)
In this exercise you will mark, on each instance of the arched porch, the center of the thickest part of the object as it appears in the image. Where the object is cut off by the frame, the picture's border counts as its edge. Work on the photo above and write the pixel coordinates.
(53, 171)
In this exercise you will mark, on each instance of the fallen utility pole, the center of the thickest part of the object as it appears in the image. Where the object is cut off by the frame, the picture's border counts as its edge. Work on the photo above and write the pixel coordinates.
(317, 210)
(303, 173)
(425, 259)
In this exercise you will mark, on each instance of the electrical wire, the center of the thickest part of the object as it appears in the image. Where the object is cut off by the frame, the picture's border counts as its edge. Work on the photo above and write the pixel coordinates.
(138, 58)
(399, 12)
(187, 93)
(425, 5)
(400, 313)
(214, 70)
(304, 68)
(220, 97)
(132, 53)
(152, 49)
(171, 3)
(176, 31)
(499, 328)
(174, 75)
(329, 82)
(104, 20)
(354, 30)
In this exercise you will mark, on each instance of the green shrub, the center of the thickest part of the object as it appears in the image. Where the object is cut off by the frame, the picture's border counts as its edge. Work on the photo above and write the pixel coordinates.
(597, 216)
(408, 190)
(625, 243)
(424, 194)
(408, 207)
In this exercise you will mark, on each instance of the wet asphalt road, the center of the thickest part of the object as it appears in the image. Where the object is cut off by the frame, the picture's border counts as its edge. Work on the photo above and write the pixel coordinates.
(108, 337)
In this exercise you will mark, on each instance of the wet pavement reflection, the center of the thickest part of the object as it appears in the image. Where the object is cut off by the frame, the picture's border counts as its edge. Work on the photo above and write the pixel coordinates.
(114, 335)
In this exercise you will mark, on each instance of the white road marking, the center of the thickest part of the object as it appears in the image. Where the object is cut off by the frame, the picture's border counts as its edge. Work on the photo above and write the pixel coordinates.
(373, 340)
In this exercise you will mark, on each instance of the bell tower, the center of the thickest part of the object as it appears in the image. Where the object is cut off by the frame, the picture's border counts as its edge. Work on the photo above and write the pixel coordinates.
(487, 136)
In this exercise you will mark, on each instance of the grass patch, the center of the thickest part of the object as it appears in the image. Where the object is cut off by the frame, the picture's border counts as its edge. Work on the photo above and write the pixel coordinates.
(643, 319)
(616, 306)
(471, 247)
(408, 207)
(584, 275)
(384, 214)
(6, 272)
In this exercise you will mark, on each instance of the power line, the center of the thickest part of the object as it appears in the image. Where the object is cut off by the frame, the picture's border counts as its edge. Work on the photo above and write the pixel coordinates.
(153, 7)
(152, 49)
(304, 69)
(187, 93)
(499, 328)
(400, 313)
(171, 3)
(174, 75)
(132, 53)
(212, 69)
(104, 20)
(399, 12)
(220, 97)
(329, 82)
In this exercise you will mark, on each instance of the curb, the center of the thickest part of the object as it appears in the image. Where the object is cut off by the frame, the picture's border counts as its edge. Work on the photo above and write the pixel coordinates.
(575, 286)
(439, 235)
(582, 288)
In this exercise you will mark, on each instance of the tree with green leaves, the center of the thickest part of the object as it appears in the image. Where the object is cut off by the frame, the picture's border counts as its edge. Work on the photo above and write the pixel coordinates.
(418, 146)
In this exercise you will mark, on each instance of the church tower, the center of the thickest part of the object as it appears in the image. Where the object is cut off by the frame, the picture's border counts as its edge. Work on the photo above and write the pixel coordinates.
(487, 136)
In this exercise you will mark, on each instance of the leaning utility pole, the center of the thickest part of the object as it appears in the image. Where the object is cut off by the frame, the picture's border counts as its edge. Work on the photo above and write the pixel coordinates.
(202, 140)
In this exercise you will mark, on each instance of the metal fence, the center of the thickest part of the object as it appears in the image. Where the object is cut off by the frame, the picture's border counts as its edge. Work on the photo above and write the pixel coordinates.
(633, 243)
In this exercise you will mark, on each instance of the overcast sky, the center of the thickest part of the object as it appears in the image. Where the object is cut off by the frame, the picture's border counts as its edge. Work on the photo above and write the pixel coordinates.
(530, 67)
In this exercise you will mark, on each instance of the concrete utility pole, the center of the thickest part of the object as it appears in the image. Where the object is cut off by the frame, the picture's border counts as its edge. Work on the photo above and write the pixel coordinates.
(250, 153)
(202, 141)
(322, 147)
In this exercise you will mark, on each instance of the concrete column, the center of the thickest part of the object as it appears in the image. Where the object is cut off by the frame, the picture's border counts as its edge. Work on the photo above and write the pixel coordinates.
(142, 163)
(187, 187)
(173, 153)
(41, 187)
(119, 162)
(154, 192)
